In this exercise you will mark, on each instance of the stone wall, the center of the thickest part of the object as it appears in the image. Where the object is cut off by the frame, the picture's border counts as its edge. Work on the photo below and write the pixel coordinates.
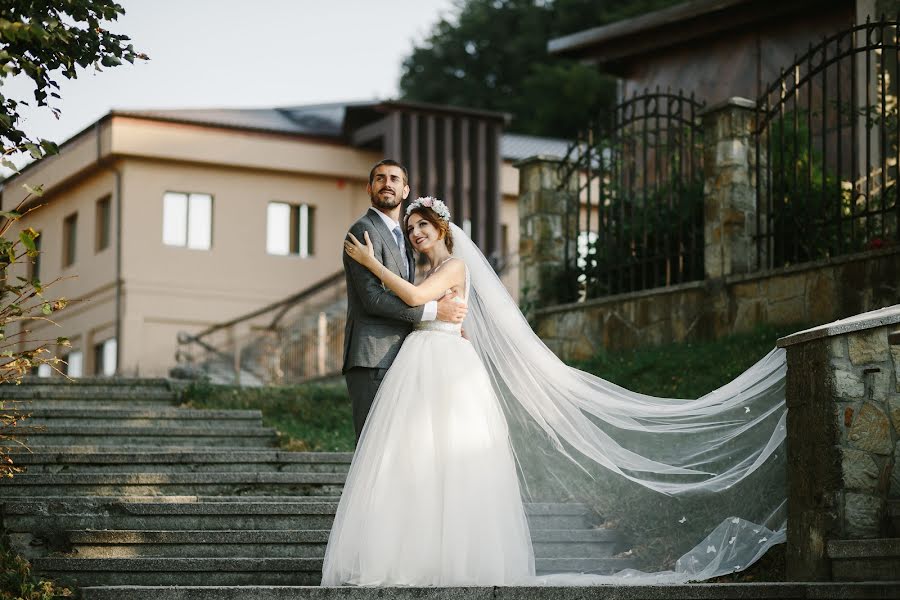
(811, 294)
(843, 396)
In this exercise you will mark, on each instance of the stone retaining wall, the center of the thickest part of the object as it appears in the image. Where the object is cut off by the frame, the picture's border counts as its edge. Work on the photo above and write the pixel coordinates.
(813, 293)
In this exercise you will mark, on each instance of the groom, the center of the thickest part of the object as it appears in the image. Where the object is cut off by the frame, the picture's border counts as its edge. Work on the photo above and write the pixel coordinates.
(378, 321)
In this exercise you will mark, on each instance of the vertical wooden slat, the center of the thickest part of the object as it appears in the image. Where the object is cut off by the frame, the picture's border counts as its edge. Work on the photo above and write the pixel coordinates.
(392, 137)
(445, 165)
(478, 190)
(428, 178)
(411, 161)
(493, 193)
(460, 170)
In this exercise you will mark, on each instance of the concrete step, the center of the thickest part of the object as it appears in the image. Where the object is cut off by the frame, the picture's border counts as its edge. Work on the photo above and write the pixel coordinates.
(595, 543)
(239, 571)
(182, 571)
(158, 484)
(255, 461)
(41, 515)
(159, 437)
(700, 591)
(242, 543)
(93, 390)
(44, 518)
(141, 417)
(865, 560)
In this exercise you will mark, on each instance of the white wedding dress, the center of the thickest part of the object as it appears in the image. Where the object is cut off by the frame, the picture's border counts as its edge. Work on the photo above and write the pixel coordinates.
(461, 434)
(432, 497)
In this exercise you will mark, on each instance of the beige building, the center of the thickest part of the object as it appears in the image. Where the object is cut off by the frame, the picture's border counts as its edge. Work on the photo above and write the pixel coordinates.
(172, 221)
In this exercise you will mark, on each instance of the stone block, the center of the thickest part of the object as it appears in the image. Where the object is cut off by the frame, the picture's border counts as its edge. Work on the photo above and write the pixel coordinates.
(895, 358)
(862, 516)
(748, 290)
(867, 347)
(838, 346)
(894, 490)
(821, 298)
(871, 430)
(731, 152)
(859, 471)
(784, 287)
(787, 311)
(848, 385)
(748, 315)
(878, 385)
(893, 404)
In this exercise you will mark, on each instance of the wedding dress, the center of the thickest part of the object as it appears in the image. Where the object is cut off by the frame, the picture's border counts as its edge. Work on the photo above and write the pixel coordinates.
(462, 433)
(432, 497)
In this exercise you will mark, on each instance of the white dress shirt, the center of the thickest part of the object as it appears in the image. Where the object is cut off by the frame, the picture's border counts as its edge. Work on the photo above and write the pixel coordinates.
(430, 312)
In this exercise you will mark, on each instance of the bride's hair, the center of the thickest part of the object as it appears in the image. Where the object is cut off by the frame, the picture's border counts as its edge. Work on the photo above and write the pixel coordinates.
(435, 219)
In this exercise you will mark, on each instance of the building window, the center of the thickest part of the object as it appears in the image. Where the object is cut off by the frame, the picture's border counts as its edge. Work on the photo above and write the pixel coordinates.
(70, 239)
(34, 267)
(289, 229)
(504, 242)
(105, 358)
(187, 220)
(75, 363)
(44, 370)
(104, 223)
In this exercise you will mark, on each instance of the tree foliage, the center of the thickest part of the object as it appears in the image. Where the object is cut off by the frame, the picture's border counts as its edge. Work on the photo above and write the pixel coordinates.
(492, 55)
(42, 39)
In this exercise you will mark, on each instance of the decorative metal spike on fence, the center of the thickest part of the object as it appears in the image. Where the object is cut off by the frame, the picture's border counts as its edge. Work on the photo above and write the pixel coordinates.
(639, 206)
(827, 150)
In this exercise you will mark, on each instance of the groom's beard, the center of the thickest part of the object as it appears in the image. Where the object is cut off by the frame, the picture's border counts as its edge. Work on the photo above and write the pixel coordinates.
(387, 201)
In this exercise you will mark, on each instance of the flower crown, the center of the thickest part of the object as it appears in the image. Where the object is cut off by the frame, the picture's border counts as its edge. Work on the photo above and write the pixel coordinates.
(434, 204)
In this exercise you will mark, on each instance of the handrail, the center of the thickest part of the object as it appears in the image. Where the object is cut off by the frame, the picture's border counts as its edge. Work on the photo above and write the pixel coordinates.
(287, 302)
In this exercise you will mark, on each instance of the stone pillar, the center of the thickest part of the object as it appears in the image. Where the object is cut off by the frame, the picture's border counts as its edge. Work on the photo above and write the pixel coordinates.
(843, 426)
(729, 188)
(547, 232)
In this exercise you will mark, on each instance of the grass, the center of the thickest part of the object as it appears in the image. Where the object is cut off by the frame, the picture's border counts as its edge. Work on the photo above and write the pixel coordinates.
(311, 418)
(689, 369)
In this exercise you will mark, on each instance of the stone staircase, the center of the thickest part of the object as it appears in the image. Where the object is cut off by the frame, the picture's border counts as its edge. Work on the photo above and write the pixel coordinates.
(124, 488)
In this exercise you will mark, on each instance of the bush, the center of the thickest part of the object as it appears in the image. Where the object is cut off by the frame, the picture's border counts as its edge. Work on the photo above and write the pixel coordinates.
(17, 582)
(311, 417)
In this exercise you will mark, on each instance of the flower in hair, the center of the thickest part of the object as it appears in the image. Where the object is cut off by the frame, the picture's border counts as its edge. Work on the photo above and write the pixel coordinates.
(433, 203)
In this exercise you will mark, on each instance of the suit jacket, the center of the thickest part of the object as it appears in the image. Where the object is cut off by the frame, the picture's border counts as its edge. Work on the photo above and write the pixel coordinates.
(377, 320)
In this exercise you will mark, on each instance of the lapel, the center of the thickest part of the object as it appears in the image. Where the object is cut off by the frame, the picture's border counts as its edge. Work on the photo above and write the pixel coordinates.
(387, 238)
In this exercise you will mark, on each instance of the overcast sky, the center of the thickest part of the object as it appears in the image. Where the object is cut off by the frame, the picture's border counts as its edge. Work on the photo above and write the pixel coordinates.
(247, 53)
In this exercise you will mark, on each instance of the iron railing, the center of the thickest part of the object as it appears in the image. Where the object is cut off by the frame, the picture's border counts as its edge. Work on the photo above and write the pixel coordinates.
(639, 207)
(827, 150)
(295, 340)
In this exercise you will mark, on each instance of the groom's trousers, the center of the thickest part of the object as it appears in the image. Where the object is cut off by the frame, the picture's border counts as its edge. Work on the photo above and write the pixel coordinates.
(362, 385)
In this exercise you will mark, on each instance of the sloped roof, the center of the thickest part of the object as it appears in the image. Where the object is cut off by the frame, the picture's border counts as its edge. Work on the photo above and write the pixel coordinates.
(322, 120)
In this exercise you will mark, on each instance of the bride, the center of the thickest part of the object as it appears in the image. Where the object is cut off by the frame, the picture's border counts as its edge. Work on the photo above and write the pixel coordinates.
(432, 496)
(462, 431)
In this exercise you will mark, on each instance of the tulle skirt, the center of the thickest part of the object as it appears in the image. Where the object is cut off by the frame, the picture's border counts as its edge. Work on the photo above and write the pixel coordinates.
(432, 497)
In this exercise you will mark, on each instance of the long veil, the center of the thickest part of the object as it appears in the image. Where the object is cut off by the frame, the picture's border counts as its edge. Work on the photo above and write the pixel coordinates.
(695, 488)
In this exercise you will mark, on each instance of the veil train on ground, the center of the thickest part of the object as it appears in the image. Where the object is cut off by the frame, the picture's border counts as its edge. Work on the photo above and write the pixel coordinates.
(696, 486)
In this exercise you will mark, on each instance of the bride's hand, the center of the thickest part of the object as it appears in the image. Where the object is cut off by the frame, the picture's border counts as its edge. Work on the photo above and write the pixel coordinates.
(364, 254)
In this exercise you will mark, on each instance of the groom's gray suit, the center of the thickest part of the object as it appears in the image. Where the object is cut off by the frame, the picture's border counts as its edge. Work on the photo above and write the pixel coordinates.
(377, 320)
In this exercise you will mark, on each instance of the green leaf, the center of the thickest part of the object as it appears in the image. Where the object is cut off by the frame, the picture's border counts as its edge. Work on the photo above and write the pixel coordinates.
(34, 150)
(9, 164)
(46, 308)
(10, 214)
(34, 191)
(27, 239)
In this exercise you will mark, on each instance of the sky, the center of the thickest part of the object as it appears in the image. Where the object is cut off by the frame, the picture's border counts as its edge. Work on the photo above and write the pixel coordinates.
(245, 53)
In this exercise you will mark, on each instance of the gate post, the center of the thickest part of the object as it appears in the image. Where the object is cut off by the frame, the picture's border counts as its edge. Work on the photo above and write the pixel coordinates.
(729, 188)
(547, 232)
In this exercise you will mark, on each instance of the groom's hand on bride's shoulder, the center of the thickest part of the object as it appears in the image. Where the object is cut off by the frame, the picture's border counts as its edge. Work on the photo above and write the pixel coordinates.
(451, 310)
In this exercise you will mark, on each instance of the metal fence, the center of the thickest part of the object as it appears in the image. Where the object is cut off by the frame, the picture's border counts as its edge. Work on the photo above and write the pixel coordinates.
(639, 206)
(827, 150)
(295, 340)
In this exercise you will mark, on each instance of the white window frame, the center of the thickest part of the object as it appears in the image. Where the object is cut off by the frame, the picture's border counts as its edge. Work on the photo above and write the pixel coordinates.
(187, 220)
(280, 240)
